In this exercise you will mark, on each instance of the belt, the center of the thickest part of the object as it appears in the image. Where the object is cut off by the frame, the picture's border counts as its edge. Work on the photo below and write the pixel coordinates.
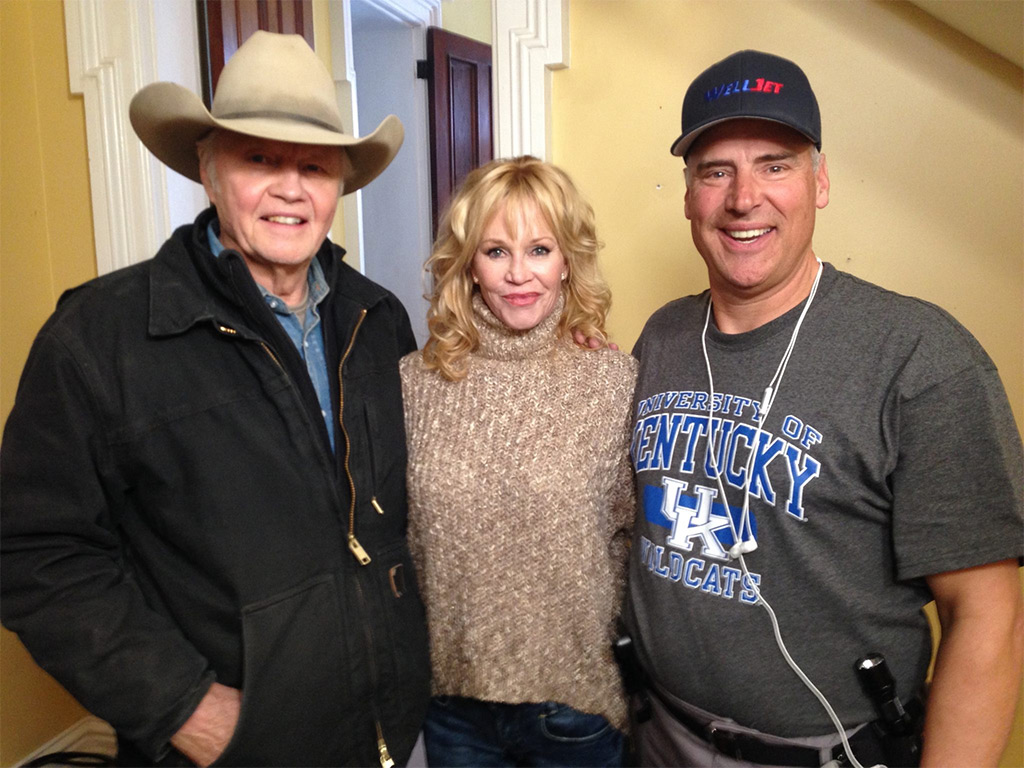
(742, 746)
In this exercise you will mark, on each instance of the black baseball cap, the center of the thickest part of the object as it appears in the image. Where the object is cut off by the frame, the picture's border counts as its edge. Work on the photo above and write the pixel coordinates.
(749, 84)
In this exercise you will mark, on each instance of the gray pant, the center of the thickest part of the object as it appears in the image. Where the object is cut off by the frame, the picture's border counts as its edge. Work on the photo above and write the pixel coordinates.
(664, 741)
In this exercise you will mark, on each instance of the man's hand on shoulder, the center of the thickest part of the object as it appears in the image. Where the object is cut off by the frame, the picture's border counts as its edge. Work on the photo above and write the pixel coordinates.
(206, 733)
(590, 342)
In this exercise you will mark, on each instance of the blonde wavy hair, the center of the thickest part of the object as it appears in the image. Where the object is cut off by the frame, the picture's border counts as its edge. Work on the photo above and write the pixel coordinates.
(514, 184)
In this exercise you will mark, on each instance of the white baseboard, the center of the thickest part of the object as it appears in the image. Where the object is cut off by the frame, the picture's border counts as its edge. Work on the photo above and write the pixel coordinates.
(90, 734)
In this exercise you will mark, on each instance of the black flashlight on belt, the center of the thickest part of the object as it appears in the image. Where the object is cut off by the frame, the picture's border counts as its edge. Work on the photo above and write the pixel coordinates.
(880, 686)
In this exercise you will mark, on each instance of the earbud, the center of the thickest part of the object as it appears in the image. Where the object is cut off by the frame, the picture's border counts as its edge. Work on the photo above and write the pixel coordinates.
(742, 548)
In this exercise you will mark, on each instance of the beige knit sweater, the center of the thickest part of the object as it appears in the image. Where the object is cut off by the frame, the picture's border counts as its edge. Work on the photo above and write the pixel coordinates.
(520, 505)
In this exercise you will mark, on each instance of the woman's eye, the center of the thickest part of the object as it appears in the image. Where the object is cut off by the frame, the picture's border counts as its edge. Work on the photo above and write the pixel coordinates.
(494, 253)
(541, 250)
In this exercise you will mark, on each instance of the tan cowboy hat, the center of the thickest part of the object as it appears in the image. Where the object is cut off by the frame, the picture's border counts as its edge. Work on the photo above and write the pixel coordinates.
(274, 87)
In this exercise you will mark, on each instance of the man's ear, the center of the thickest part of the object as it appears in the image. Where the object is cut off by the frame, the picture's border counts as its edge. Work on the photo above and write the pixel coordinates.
(686, 202)
(208, 184)
(822, 182)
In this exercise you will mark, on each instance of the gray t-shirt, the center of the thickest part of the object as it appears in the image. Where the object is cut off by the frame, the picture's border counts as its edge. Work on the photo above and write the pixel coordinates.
(889, 454)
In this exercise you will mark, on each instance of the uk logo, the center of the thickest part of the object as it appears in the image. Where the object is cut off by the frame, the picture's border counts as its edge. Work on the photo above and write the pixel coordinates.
(693, 517)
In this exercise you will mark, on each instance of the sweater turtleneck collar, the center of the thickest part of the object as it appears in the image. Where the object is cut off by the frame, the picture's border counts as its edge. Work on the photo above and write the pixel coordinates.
(499, 342)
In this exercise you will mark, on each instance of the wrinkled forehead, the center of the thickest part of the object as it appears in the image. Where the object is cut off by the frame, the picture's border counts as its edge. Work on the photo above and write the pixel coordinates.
(233, 142)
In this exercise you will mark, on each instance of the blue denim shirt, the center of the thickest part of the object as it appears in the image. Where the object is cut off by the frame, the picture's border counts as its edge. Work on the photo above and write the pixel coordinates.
(309, 338)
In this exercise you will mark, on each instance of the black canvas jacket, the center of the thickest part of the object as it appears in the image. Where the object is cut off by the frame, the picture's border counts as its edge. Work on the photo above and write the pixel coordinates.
(172, 513)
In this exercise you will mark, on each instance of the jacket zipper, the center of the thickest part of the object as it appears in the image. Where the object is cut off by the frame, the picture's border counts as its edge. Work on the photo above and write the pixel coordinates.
(382, 748)
(272, 355)
(361, 556)
(353, 543)
(266, 348)
(373, 469)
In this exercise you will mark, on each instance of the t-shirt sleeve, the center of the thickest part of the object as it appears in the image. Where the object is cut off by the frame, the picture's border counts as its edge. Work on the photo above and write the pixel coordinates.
(957, 483)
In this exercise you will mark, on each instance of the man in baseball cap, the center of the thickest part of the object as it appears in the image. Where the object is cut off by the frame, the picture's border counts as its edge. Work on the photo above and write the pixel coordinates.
(817, 458)
(203, 521)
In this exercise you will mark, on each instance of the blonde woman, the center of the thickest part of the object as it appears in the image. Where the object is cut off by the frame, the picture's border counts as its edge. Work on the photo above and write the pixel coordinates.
(519, 478)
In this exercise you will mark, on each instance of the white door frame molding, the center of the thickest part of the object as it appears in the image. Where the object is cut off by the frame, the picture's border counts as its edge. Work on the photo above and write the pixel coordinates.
(113, 50)
(106, 65)
(530, 38)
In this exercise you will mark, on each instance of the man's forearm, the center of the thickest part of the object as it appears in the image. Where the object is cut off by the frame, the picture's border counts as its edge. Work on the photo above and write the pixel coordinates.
(977, 680)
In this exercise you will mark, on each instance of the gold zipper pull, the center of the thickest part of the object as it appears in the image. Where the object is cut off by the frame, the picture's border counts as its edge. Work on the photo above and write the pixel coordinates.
(378, 507)
(382, 747)
(357, 550)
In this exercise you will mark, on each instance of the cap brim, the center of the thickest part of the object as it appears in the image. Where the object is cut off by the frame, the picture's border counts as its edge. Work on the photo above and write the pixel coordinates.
(170, 119)
(682, 145)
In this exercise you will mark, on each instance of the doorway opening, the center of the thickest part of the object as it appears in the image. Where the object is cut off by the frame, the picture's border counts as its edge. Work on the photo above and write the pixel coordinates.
(396, 228)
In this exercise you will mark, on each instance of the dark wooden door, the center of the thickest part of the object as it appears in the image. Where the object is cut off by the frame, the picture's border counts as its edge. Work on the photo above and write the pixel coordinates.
(226, 24)
(458, 72)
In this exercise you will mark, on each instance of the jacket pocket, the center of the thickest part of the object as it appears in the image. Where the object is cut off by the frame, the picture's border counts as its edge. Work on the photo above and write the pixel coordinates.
(294, 707)
(385, 434)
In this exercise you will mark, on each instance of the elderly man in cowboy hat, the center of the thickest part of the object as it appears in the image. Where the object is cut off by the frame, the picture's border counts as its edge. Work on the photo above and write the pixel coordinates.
(203, 521)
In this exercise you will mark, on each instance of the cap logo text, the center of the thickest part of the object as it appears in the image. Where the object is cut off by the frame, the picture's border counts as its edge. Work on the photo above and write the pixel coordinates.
(761, 85)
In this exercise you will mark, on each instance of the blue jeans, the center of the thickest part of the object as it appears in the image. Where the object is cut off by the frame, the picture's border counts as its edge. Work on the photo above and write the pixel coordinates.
(469, 732)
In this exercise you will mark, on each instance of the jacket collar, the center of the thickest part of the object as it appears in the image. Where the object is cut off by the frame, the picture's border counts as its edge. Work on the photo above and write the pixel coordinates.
(188, 285)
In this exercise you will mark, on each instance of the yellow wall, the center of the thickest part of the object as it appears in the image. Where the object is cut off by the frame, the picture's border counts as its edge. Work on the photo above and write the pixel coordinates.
(47, 246)
(471, 18)
(923, 130)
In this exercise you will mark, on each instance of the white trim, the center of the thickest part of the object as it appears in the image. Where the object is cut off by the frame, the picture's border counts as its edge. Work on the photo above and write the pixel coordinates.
(419, 13)
(112, 52)
(107, 71)
(530, 38)
(343, 72)
(90, 734)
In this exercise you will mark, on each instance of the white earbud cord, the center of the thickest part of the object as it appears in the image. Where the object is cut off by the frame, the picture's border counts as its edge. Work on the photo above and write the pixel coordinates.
(742, 544)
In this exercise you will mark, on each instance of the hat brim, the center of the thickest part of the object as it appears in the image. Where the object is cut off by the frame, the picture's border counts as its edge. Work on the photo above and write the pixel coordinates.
(170, 119)
(682, 145)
